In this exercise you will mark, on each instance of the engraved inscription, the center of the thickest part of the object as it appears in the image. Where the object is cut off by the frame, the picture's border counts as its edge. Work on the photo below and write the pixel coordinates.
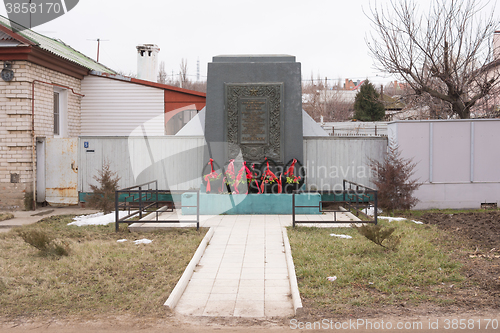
(253, 121)
(254, 116)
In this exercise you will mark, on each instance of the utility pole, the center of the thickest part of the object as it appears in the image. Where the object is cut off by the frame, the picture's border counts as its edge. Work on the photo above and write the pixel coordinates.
(198, 70)
(324, 101)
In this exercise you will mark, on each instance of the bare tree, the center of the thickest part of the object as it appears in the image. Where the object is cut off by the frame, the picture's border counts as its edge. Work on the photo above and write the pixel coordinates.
(162, 74)
(183, 80)
(183, 76)
(446, 53)
(311, 99)
(200, 86)
(127, 74)
(338, 106)
(489, 106)
(319, 99)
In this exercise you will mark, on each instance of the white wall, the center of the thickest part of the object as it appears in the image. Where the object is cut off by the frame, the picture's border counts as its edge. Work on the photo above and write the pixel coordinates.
(120, 108)
(457, 160)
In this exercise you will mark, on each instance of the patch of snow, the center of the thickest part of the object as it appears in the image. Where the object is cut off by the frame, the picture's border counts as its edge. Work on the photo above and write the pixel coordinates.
(96, 219)
(121, 240)
(390, 219)
(341, 236)
(143, 241)
(371, 210)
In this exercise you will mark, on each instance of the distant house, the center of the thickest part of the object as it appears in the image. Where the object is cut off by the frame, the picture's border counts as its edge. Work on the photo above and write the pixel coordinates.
(395, 88)
(50, 94)
(351, 85)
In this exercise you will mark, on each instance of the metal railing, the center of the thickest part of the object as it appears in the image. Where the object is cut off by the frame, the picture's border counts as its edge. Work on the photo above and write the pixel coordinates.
(355, 197)
(147, 199)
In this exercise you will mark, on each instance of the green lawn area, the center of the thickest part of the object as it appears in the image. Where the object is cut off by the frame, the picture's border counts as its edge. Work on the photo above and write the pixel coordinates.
(420, 270)
(99, 276)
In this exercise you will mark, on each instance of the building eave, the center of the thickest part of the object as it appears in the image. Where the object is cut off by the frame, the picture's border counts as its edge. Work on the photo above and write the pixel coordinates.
(149, 84)
(43, 58)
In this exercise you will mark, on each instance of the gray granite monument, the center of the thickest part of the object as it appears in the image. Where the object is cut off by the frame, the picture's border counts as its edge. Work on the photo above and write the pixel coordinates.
(254, 108)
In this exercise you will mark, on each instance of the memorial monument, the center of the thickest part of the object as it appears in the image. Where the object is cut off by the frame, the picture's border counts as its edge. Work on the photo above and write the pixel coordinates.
(253, 112)
(254, 109)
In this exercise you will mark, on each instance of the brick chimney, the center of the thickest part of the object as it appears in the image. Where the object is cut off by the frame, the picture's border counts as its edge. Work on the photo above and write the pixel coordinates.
(147, 62)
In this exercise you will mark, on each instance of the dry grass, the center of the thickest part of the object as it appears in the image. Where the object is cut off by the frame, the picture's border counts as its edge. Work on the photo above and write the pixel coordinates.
(100, 276)
(420, 270)
(6, 216)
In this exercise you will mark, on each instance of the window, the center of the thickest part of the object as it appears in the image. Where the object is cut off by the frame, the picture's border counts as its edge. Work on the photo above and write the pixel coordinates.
(57, 114)
(60, 112)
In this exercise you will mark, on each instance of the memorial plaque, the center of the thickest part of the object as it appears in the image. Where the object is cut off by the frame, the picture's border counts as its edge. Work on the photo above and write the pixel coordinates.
(254, 120)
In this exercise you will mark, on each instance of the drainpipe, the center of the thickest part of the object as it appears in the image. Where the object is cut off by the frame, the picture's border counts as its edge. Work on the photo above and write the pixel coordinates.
(33, 137)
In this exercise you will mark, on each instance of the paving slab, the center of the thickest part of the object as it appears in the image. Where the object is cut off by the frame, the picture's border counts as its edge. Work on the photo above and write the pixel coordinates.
(243, 271)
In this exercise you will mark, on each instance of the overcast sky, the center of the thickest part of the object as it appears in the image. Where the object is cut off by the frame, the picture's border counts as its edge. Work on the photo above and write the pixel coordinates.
(326, 36)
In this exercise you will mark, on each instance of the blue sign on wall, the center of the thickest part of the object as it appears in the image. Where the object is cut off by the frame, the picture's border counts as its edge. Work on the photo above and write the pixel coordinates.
(86, 144)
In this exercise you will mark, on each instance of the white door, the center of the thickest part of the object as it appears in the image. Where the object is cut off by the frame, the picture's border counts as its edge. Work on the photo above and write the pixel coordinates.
(61, 177)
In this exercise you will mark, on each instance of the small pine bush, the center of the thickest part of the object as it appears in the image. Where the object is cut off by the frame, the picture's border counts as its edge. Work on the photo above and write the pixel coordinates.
(60, 248)
(103, 196)
(393, 179)
(45, 243)
(380, 235)
(36, 238)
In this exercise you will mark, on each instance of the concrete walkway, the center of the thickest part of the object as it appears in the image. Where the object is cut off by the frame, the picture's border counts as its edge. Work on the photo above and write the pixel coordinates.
(243, 271)
(30, 216)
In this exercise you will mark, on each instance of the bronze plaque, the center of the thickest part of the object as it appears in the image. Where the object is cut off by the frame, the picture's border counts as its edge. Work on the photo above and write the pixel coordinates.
(254, 120)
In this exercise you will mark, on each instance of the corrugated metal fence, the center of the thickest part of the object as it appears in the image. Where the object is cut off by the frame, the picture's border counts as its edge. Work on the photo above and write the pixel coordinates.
(177, 162)
(329, 160)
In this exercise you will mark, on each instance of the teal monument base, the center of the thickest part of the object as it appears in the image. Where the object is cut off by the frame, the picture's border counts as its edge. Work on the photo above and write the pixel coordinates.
(250, 204)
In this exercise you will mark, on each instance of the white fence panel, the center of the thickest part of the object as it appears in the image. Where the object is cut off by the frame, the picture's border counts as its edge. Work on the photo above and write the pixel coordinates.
(176, 162)
(457, 160)
(329, 160)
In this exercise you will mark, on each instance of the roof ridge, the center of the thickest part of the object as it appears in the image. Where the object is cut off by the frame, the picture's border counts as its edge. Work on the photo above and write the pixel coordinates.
(54, 46)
